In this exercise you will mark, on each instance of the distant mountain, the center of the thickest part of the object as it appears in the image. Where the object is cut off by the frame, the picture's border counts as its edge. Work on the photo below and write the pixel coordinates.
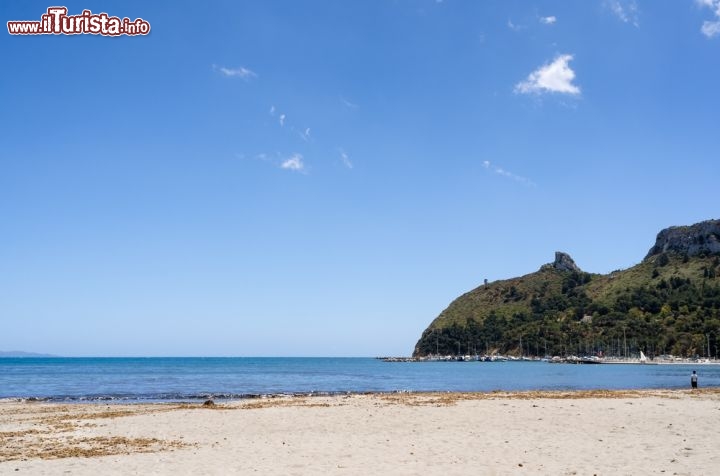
(18, 353)
(667, 304)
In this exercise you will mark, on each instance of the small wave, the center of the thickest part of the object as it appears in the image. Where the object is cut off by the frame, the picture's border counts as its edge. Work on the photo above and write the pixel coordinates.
(169, 397)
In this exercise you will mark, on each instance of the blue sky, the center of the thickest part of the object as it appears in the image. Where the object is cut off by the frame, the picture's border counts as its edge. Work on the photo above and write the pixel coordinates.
(323, 178)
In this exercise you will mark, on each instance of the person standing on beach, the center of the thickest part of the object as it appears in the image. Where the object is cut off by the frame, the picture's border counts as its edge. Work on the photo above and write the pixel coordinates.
(693, 380)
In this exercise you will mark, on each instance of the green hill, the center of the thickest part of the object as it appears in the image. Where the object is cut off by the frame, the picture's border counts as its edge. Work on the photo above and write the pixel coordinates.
(667, 304)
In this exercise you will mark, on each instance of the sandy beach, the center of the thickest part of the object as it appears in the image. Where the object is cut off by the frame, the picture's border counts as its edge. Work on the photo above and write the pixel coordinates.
(558, 433)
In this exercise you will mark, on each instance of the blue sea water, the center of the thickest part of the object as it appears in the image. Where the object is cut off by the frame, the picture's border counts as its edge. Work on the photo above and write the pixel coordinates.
(178, 379)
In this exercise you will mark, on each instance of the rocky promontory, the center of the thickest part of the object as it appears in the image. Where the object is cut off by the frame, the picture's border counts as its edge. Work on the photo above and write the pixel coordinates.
(667, 304)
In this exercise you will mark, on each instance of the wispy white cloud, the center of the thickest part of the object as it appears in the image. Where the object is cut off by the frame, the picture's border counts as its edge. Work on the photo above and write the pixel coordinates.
(513, 26)
(239, 72)
(347, 103)
(555, 77)
(626, 10)
(500, 171)
(304, 134)
(345, 159)
(548, 20)
(711, 29)
(294, 163)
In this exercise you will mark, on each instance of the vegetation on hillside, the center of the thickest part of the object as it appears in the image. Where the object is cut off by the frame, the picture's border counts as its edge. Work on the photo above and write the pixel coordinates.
(668, 304)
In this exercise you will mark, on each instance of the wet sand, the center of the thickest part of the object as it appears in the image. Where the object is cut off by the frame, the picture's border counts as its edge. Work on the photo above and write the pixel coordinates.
(554, 433)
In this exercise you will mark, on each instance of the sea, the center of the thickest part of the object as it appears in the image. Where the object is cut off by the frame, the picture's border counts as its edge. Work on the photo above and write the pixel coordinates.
(124, 380)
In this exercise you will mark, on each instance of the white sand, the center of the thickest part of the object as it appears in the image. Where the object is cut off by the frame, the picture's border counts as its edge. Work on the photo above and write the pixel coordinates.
(443, 434)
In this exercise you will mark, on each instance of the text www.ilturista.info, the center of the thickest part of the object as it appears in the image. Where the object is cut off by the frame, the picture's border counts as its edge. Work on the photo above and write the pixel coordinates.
(57, 22)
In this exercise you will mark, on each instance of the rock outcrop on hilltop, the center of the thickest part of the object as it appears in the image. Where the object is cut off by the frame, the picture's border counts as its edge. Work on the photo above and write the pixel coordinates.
(563, 262)
(667, 304)
(703, 237)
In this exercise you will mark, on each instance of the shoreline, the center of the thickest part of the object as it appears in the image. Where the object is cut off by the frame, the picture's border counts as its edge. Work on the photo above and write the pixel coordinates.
(239, 398)
(535, 432)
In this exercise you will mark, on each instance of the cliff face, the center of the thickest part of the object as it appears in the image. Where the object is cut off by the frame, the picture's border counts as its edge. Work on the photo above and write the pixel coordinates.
(703, 237)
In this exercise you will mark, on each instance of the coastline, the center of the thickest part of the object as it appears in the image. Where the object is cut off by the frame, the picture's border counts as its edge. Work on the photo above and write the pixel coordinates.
(533, 432)
(573, 359)
(129, 380)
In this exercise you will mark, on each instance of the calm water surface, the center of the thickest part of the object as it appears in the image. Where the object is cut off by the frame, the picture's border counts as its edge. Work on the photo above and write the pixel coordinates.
(158, 379)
